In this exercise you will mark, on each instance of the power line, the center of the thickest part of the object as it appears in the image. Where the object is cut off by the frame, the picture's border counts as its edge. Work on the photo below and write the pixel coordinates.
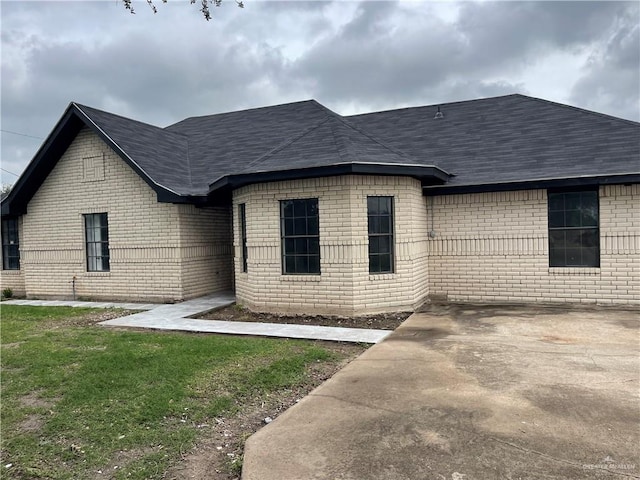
(21, 134)
(7, 171)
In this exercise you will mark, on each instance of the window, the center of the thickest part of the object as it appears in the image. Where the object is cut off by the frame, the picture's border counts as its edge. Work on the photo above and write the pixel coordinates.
(10, 244)
(380, 220)
(242, 212)
(574, 237)
(97, 238)
(300, 230)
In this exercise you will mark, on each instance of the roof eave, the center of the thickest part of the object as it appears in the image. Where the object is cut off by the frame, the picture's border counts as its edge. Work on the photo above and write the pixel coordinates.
(54, 146)
(544, 183)
(428, 174)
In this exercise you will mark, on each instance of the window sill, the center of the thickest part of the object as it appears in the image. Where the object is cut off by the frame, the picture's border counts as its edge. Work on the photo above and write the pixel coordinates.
(97, 274)
(300, 278)
(11, 272)
(381, 276)
(574, 270)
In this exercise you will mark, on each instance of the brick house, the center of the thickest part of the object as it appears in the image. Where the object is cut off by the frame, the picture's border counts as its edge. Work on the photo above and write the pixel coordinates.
(298, 209)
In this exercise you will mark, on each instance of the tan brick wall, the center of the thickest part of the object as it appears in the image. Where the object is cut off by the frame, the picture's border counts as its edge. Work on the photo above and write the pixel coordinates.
(206, 250)
(13, 279)
(149, 251)
(493, 247)
(344, 286)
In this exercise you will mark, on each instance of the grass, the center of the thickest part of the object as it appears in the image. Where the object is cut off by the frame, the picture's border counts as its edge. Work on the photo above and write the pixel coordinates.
(79, 398)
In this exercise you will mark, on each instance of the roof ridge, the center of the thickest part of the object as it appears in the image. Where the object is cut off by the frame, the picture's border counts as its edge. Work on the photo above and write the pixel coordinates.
(370, 136)
(437, 104)
(286, 143)
(231, 112)
(581, 110)
(82, 107)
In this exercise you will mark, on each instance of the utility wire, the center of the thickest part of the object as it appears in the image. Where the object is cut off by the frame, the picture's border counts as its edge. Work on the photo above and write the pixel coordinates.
(7, 171)
(21, 134)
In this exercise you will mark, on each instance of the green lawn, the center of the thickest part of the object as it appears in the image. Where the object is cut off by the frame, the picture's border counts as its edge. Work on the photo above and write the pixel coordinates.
(75, 396)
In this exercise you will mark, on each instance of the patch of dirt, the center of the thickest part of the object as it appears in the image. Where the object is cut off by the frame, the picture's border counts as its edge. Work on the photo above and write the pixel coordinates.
(236, 313)
(32, 423)
(120, 460)
(218, 453)
(34, 400)
(89, 319)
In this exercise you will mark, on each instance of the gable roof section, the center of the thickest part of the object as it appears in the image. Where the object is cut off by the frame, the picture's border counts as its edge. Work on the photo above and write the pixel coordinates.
(112, 129)
(512, 140)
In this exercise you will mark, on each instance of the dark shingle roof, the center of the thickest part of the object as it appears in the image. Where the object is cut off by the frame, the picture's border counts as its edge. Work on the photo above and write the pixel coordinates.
(490, 141)
(163, 155)
(510, 139)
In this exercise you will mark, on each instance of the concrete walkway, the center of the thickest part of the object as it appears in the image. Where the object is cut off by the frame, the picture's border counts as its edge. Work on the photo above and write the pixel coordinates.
(77, 303)
(175, 317)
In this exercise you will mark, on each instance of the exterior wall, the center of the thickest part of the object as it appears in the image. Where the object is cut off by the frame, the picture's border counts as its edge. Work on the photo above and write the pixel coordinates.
(205, 250)
(150, 252)
(344, 286)
(13, 279)
(493, 247)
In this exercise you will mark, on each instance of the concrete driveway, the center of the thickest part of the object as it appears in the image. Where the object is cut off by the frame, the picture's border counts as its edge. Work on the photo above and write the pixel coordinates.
(471, 392)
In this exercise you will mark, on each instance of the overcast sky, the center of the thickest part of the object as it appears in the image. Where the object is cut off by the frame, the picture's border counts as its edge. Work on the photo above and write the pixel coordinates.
(352, 57)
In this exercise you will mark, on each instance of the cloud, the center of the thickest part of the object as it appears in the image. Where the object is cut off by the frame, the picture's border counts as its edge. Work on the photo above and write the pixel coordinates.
(353, 57)
(611, 82)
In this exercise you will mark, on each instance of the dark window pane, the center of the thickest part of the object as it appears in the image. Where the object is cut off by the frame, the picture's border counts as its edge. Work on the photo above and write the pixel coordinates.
(572, 238)
(556, 239)
(299, 208)
(589, 238)
(300, 226)
(290, 264)
(380, 228)
(374, 245)
(374, 264)
(384, 244)
(589, 217)
(557, 257)
(572, 218)
(574, 242)
(374, 225)
(314, 264)
(385, 263)
(556, 201)
(590, 257)
(574, 256)
(314, 246)
(302, 264)
(312, 226)
(288, 227)
(372, 205)
(556, 219)
(385, 225)
(384, 206)
(301, 246)
(312, 207)
(10, 244)
(97, 242)
(287, 208)
(572, 200)
(289, 246)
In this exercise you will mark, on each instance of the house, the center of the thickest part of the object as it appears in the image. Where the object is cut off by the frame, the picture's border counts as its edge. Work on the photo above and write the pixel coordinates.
(299, 209)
